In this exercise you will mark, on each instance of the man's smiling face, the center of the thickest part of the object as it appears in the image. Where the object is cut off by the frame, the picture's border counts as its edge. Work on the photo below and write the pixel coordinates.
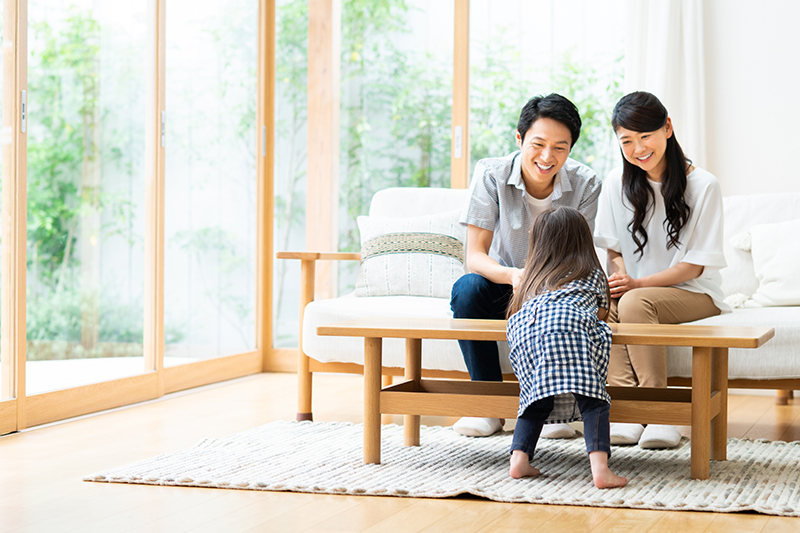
(544, 150)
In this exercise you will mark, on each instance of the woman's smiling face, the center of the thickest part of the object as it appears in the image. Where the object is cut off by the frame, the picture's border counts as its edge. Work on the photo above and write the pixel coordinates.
(646, 149)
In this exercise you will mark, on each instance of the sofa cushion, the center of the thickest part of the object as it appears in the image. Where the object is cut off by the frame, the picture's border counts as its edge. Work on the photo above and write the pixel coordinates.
(416, 201)
(436, 354)
(416, 256)
(779, 358)
(776, 256)
(742, 212)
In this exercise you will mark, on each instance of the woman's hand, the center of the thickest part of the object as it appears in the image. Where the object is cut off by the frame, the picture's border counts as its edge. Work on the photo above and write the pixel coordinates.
(620, 283)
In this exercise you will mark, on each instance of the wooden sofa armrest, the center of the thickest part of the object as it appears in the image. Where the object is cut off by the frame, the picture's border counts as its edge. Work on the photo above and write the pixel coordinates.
(320, 256)
(308, 261)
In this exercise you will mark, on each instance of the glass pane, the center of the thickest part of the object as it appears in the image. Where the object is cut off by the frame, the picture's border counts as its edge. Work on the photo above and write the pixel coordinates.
(5, 388)
(572, 53)
(395, 115)
(210, 221)
(291, 64)
(86, 74)
(396, 102)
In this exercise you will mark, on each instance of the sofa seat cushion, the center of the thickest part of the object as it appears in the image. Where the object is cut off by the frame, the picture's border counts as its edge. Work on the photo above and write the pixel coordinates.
(779, 358)
(436, 354)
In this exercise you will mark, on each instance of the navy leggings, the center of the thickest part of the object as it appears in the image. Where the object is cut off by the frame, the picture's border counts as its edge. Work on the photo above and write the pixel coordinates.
(596, 426)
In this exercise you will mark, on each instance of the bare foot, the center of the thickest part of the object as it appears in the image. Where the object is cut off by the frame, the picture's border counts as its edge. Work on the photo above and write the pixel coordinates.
(608, 480)
(601, 475)
(521, 465)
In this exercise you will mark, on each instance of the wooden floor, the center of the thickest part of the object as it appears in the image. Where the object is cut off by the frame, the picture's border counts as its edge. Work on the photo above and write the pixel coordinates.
(41, 471)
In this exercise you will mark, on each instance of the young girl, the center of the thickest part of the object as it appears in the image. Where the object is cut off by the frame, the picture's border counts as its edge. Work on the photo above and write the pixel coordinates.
(559, 345)
(660, 219)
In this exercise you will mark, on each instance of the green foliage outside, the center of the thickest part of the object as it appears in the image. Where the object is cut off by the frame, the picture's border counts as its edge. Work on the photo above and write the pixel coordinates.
(213, 246)
(64, 87)
(396, 109)
(395, 131)
(64, 150)
(291, 75)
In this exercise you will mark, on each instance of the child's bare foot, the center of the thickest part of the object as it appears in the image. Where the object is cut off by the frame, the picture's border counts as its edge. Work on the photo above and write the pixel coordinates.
(608, 480)
(601, 475)
(521, 465)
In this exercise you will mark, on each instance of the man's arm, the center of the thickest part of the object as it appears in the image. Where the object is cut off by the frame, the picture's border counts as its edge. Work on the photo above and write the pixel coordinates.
(479, 241)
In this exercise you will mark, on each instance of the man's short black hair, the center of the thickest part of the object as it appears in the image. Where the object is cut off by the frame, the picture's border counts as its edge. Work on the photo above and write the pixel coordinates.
(552, 106)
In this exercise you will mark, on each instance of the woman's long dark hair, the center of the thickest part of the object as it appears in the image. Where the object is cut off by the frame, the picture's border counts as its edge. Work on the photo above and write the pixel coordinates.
(561, 250)
(643, 112)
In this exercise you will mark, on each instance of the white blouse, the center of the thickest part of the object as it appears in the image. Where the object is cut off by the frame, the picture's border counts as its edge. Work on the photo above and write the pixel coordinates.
(700, 239)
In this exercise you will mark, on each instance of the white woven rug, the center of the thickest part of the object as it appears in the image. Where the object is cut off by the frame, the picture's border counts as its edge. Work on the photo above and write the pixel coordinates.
(326, 458)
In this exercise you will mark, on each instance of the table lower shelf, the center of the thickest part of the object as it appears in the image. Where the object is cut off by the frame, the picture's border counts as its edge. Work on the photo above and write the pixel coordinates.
(501, 400)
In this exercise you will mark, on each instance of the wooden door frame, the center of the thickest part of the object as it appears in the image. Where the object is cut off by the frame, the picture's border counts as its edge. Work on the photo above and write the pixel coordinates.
(17, 410)
(14, 213)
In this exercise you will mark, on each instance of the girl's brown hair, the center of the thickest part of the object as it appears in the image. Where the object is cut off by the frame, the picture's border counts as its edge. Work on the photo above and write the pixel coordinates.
(561, 250)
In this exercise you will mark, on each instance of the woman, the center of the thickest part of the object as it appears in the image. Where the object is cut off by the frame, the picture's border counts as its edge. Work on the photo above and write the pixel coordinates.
(660, 220)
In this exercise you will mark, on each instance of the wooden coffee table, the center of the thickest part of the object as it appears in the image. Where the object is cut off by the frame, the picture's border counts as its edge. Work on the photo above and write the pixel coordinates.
(704, 407)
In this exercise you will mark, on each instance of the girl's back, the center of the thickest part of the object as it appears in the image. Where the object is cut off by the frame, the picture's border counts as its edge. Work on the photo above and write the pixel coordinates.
(559, 347)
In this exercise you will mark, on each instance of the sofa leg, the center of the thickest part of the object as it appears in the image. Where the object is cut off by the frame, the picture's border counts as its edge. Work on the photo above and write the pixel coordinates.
(304, 374)
(304, 387)
(783, 397)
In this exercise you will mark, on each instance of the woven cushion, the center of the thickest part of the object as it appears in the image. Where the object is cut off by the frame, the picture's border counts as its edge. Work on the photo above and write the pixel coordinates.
(418, 256)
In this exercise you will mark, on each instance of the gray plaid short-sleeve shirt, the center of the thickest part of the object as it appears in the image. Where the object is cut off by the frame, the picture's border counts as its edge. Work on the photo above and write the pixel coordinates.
(497, 203)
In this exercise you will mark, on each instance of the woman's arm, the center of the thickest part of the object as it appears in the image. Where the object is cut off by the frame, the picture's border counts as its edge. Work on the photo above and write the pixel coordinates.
(479, 241)
(615, 263)
(620, 282)
(603, 307)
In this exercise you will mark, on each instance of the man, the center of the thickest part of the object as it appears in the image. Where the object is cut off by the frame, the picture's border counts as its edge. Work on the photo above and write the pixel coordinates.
(507, 194)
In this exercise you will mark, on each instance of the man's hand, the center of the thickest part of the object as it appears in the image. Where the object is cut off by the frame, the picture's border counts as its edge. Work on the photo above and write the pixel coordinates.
(619, 284)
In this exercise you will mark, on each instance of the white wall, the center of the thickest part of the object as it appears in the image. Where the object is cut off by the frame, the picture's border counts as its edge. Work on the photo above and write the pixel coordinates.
(753, 94)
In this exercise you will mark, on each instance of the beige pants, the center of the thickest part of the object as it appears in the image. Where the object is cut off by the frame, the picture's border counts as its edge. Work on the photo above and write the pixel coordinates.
(646, 366)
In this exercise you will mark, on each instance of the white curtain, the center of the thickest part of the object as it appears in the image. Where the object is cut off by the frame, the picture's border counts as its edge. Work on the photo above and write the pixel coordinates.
(664, 56)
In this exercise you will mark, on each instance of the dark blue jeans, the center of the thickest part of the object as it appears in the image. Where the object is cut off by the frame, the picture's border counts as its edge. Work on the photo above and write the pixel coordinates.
(596, 426)
(474, 296)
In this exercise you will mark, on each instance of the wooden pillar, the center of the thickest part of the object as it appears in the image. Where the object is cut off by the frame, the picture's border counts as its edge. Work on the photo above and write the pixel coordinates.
(155, 143)
(322, 193)
(265, 203)
(459, 154)
(14, 211)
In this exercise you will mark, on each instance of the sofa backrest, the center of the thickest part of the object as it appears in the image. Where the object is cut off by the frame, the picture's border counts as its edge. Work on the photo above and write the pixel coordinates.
(741, 213)
(416, 201)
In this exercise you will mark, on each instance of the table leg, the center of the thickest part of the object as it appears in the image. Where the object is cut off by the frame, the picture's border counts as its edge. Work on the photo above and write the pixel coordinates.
(701, 412)
(372, 399)
(719, 425)
(413, 371)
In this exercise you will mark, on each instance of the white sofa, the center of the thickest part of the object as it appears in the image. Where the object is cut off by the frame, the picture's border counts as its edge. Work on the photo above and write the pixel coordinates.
(773, 366)
(779, 359)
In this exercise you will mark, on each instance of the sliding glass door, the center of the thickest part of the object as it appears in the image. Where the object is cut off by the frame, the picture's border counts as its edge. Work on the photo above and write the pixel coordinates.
(131, 242)
(210, 180)
(85, 192)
